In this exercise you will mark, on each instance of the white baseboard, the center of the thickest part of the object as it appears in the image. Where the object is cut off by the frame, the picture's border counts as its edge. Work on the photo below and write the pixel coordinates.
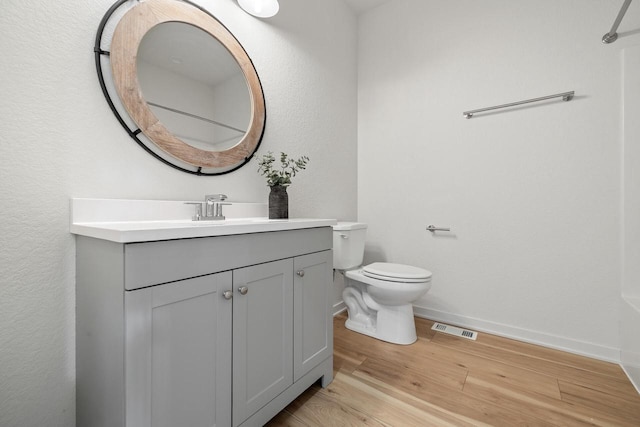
(633, 375)
(629, 331)
(582, 348)
(338, 308)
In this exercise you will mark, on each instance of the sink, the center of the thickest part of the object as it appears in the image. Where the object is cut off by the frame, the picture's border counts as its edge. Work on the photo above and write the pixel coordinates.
(130, 221)
(225, 222)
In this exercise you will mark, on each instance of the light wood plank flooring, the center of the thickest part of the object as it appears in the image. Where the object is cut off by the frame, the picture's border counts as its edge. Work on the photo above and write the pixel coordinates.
(443, 380)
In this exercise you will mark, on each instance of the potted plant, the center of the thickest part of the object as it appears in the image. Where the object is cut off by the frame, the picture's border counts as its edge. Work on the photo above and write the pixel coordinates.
(278, 179)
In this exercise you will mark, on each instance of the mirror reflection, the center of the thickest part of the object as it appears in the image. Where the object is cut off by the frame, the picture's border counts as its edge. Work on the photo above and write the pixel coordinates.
(194, 86)
(181, 85)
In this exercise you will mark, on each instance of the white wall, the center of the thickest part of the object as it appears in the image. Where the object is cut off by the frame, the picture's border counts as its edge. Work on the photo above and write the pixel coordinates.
(533, 195)
(58, 139)
(630, 307)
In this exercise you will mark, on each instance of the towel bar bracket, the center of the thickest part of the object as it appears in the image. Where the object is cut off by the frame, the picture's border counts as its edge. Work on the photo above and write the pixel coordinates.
(612, 35)
(433, 228)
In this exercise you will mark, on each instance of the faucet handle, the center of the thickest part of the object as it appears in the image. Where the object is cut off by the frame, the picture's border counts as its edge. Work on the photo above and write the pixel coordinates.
(216, 197)
(213, 206)
(198, 213)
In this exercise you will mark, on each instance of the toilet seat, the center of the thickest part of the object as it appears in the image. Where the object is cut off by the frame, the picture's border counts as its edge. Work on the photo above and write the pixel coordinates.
(396, 272)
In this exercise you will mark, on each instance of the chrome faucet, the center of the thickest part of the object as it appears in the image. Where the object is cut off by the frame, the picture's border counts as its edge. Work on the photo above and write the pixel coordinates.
(212, 208)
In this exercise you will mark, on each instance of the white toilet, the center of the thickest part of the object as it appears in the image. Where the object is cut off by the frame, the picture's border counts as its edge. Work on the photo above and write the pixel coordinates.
(378, 296)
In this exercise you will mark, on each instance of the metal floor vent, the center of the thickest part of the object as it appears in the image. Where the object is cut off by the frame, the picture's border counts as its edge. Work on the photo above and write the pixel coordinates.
(452, 330)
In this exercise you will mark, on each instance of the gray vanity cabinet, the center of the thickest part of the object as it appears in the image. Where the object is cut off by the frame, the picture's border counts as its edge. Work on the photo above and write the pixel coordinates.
(263, 335)
(281, 328)
(177, 358)
(238, 328)
(312, 328)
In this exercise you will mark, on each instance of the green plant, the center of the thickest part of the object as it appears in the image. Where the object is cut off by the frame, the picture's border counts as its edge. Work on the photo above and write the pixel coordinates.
(280, 174)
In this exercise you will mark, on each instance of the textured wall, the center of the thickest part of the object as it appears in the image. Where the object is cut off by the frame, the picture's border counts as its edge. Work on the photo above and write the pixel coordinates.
(630, 308)
(533, 195)
(58, 139)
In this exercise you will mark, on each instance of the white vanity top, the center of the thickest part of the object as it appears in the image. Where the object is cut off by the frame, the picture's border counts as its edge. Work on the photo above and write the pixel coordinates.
(128, 221)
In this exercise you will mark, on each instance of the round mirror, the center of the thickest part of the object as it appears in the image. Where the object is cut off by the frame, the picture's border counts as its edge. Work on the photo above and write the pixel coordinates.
(194, 86)
(185, 88)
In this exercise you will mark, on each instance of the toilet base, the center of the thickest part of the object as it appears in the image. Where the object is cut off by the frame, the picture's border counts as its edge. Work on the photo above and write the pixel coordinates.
(394, 324)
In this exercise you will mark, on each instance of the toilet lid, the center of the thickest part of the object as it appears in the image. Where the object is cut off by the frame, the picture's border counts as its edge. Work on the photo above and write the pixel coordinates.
(396, 272)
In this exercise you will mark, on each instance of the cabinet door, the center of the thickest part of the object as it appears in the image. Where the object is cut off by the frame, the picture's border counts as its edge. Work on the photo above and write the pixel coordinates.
(262, 335)
(312, 324)
(178, 354)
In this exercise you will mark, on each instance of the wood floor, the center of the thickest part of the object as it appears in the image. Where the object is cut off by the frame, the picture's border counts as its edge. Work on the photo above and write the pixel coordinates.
(443, 380)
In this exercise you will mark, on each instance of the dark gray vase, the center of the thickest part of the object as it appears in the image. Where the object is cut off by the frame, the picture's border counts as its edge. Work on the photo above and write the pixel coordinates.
(278, 202)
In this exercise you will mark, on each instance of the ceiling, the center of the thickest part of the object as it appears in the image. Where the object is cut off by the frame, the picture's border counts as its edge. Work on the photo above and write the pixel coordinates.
(361, 6)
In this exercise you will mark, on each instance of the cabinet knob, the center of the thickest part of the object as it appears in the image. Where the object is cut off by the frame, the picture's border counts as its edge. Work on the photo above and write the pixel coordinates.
(243, 290)
(227, 294)
(300, 273)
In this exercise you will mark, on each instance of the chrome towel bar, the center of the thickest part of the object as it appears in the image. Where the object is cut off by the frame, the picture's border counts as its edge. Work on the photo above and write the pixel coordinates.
(566, 96)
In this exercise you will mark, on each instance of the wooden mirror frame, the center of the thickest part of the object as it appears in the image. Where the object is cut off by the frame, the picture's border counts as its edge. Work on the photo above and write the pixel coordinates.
(133, 26)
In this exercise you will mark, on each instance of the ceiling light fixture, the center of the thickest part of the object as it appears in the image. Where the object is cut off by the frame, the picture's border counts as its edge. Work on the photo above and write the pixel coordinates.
(260, 8)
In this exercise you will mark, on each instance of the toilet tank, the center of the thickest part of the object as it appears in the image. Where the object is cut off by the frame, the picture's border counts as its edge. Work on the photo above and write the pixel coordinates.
(348, 244)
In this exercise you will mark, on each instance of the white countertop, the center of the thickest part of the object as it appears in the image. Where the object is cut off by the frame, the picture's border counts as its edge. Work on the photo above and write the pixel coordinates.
(124, 221)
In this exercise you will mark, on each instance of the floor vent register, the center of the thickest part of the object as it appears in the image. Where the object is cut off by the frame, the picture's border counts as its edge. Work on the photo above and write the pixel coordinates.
(452, 330)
